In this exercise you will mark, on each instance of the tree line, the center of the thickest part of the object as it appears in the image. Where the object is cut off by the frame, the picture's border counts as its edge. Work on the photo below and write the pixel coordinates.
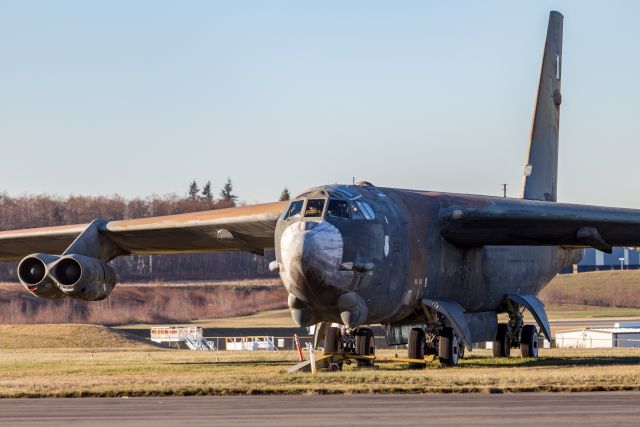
(29, 211)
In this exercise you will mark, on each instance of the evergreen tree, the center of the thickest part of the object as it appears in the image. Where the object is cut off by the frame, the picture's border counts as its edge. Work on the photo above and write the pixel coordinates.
(193, 190)
(227, 192)
(207, 195)
(285, 195)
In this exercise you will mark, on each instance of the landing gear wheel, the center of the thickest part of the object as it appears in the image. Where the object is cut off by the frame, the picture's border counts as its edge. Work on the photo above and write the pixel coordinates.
(332, 345)
(502, 343)
(529, 341)
(461, 349)
(365, 346)
(448, 348)
(416, 348)
(331, 340)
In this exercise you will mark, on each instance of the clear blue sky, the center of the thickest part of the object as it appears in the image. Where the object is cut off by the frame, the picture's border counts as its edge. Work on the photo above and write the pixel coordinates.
(142, 97)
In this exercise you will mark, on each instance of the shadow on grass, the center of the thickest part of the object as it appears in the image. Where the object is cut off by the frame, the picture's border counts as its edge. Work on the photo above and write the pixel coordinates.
(237, 363)
(551, 361)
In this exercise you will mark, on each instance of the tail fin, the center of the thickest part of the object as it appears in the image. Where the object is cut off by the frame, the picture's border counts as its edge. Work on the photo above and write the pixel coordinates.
(541, 171)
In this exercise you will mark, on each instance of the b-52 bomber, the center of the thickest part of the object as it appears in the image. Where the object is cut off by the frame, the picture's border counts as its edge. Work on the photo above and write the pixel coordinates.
(434, 269)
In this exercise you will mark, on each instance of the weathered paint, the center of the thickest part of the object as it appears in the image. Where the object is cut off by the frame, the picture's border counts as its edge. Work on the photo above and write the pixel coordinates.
(421, 262)
(251, 229)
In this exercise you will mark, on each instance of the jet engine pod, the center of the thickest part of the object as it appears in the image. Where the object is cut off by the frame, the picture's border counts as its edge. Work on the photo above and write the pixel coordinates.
(33, 272)
(83, 277)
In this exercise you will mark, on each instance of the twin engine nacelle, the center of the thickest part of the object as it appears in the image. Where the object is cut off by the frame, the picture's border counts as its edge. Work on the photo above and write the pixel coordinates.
(77, 276)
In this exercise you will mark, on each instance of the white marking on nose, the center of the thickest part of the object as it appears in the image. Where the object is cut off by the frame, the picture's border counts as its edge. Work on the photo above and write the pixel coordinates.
(304, 246)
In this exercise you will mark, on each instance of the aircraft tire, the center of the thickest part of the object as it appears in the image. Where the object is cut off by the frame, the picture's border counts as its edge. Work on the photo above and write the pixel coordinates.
(415, 348)
(501, 345)
(448, 348)
(365, 346)
(331, 340)
(529, 341)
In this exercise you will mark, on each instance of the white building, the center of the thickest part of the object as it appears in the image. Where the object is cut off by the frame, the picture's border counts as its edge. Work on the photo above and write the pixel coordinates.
(251, 343)
(599, 338)
(191, 337)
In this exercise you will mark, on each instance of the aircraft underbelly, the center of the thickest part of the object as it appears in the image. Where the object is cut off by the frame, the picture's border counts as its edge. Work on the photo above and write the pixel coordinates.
(483, 276)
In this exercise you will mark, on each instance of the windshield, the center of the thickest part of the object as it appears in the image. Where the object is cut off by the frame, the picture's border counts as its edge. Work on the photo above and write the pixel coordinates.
(314, 208)
(338, 209)
(295, 209)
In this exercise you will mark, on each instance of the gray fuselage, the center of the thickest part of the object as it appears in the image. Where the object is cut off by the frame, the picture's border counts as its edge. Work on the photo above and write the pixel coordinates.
(376, 263)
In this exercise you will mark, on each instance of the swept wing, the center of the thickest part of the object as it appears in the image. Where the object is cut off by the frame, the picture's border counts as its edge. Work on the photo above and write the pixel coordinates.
(247, 228)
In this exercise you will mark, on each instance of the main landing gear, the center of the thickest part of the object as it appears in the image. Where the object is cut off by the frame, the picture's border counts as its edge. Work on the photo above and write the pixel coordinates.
(445, 344)
(516, 334)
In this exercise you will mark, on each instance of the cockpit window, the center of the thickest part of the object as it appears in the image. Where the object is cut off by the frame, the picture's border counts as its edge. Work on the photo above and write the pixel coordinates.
(367, 210)
(314, 208)
(338, 209)
(362, 210)
(356, 212)
(295, 209)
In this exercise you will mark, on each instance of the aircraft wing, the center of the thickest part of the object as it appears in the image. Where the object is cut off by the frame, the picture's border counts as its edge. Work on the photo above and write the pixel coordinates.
(246, 228)
(525, 222)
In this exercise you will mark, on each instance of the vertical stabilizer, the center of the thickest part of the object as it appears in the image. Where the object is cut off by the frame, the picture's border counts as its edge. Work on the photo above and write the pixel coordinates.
(540, 180)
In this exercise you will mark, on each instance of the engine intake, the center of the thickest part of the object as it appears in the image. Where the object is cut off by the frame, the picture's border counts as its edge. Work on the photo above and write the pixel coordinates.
(83, 277)
(33, 272)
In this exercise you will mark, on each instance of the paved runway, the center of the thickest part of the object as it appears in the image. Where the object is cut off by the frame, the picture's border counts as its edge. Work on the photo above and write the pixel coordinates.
(524, 409)
(588, 323)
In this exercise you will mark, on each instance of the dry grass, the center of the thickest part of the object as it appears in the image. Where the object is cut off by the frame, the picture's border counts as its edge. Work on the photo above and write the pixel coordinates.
(598, 288)
(176, 303)
(577, 311)
(263, 319)
(81, 372)
(66, 336)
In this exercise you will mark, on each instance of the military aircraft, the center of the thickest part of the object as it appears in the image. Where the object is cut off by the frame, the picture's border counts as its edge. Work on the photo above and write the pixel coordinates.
(434, 269)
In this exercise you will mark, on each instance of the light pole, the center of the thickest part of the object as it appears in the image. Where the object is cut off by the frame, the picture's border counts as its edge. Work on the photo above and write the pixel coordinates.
(621, 263)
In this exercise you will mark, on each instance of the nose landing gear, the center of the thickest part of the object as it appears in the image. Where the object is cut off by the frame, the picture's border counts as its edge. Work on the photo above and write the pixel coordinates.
(365, 346)
(355, 343)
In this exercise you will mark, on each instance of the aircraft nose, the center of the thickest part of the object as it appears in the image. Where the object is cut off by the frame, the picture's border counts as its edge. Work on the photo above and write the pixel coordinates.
(309, 250)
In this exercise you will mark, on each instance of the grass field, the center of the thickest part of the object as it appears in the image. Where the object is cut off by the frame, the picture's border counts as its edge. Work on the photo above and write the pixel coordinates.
(141, 372)
(90, 360)
(263, 319)
(597, 288)
(578, 311)
(66, 336)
